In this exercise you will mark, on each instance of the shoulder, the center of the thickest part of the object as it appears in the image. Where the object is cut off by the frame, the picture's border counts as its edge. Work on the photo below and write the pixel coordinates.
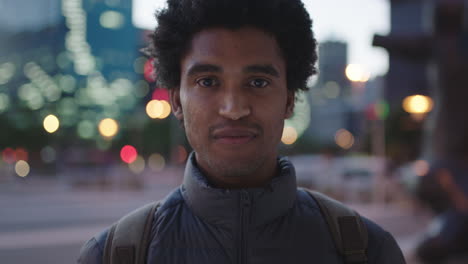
(93, 250)
(382, 247)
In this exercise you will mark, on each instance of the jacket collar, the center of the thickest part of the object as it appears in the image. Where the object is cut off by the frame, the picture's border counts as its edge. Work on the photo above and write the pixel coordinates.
(224, 206)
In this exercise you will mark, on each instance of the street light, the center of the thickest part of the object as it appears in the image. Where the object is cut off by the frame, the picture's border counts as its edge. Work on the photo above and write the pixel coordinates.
(418, 106)
(357, 73)
(108, 128)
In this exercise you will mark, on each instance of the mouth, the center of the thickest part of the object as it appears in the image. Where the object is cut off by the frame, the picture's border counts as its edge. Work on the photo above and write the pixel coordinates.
(234, 136)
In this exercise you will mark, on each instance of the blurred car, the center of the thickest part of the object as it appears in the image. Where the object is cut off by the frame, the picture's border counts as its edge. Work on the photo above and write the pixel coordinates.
(349, 177)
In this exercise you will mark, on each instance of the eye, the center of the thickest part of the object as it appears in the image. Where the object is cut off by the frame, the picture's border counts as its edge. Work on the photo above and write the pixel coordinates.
(259, 83)
(207, 82)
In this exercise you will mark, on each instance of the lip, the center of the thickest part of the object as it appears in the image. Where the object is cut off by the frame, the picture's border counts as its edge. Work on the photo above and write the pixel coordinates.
(234, 136)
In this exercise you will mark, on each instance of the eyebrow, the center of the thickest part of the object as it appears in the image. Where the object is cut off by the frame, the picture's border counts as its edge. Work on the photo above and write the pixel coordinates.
(255, 68)
(202, 67)
(266, 69)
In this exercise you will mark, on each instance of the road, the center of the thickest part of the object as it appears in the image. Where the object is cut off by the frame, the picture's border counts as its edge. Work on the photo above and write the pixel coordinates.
(47, 222)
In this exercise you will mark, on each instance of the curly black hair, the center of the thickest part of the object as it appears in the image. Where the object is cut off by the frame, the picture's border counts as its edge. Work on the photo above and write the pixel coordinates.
(286, 20)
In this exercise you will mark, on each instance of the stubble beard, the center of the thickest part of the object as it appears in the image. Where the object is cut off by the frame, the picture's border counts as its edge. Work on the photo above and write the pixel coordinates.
(231, 169)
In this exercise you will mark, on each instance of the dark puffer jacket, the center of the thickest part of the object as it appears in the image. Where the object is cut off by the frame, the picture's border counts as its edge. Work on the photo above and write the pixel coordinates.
(275, 224)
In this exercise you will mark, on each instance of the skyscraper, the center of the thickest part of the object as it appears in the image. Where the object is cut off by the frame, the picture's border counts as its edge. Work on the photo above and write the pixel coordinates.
(332, 63)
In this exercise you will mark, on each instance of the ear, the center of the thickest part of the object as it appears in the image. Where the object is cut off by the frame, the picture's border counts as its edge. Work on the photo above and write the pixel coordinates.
(174, 97)
(290, 101)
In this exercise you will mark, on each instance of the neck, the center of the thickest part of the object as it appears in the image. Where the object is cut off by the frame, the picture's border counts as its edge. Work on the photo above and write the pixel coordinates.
(257, 178)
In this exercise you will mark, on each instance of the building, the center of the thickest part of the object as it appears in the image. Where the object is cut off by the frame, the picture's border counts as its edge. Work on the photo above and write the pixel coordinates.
(408, 74)
(77, 59)
(333, 59)
(328, 97)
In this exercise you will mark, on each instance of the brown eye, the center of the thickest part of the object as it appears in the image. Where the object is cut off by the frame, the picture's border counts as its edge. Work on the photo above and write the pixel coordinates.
(207, 82)
(259, 83)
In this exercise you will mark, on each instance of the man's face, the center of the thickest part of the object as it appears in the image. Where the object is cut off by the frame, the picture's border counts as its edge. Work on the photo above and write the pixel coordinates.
(233, 100)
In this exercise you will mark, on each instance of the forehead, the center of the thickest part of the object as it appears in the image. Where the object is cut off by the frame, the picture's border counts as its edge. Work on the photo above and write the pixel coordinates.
(240, 47)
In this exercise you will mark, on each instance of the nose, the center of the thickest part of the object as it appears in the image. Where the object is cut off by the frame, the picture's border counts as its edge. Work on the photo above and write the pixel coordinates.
(234, 105)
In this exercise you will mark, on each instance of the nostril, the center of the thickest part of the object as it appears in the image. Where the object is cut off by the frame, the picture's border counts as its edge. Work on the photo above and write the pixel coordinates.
(235, 112)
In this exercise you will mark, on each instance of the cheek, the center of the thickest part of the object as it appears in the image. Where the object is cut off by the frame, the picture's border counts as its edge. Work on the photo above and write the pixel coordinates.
(195, 122)
(273, 118)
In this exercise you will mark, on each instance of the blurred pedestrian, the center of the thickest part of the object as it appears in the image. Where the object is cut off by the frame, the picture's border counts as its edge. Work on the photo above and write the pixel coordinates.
(445, 190)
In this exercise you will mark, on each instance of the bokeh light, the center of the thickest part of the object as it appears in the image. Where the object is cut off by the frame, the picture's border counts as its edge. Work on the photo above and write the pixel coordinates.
(51, 123)
(141, 88)
(4, 102)
(111, 20)
(357, 73)
(420, 167)
(289, 135)
(75, 41)
(86, 129)
(166, 109)
(7, 71)
(31, 95)
(154, 109)
(48, 154)
(301, 117)
(128, 154)
(149, 71)
(21, 154)
(417, 104)
(102, 144)
(22, 168)
(67, 83)
(138, 165)
(331, 90)
(108, 127)
(9, 155)
(160, 94)
(158, 109)
(377, 111)
(344, 139)
(139, 65)
(156, 162)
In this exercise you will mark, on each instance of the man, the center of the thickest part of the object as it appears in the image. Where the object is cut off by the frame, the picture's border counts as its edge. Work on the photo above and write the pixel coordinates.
(233, 68)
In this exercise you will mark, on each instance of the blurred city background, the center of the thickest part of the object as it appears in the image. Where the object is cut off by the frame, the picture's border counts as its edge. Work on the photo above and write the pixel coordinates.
(86, 135)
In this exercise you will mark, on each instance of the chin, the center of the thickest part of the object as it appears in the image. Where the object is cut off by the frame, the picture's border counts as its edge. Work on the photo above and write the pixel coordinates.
(235, 165)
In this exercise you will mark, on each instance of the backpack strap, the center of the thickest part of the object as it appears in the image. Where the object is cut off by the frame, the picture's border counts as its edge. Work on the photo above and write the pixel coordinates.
(348, 231)
(128, 240)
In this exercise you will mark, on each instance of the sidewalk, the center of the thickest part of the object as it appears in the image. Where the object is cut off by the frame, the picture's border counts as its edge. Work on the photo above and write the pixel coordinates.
(404, 222)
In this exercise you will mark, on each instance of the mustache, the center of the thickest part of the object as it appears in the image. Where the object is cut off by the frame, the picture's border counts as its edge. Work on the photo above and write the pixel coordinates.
(238, 124)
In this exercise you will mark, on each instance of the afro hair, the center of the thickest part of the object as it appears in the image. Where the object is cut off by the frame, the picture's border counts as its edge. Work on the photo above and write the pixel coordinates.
(286, 20)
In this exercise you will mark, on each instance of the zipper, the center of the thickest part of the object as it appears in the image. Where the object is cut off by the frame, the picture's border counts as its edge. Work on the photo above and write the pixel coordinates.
(244, 218)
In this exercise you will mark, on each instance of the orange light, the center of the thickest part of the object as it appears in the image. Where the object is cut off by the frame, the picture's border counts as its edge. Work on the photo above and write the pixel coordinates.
(108, 127)
(417, 104)
(166, 109)
(344, 139)
(154, 109)
(289, 135)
